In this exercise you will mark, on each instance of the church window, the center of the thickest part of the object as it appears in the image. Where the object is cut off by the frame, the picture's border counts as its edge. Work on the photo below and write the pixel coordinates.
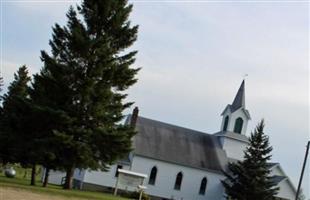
(203, 186)
(178, 181)
(118, 167)
(153, 176)
(238, 125)
(226, 123)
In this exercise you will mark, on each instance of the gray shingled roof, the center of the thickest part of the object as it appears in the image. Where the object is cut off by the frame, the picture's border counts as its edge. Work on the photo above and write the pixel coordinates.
(170, 143)
(278, 179)
(271, 164)
(236, 136)
(239, 100)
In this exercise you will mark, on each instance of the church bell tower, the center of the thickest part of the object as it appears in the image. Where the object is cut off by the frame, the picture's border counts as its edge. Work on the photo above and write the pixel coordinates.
(236, 116)
(235, 119)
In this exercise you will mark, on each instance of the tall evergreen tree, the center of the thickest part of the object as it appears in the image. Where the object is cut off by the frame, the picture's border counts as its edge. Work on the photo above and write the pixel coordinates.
(1, 110)
(250, 178)
(85, 80)
(1, 83)
(22, 136)
(19, 86)
(13, 115)
(19, 138)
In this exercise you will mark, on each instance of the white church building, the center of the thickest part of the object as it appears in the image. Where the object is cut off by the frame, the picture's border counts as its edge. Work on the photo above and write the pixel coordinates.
(181, 163)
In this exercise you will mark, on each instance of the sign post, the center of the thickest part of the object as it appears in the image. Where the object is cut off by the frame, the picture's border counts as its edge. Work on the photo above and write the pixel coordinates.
(141, 188)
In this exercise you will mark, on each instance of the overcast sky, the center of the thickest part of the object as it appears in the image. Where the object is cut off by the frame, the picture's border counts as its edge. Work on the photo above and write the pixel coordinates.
(193, 57)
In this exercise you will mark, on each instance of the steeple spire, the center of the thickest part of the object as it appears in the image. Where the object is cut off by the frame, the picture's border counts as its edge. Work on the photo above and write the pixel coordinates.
(235, 115)
(239, 100)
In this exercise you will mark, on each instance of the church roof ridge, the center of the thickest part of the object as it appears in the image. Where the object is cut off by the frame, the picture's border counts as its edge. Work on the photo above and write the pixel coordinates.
(175, 126)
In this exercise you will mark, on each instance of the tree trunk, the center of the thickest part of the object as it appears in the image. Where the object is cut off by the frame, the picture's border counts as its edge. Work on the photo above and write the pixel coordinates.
(25, 174)
(33, 175)
(69, 175)
(46, 174)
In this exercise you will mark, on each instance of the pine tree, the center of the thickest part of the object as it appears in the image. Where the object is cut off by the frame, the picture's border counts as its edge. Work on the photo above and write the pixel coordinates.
(84, 80)
(1, 116)
(1, 83)
(23, 137)
(12, 114)
(250, 178)
(18, 88)
(17, 133)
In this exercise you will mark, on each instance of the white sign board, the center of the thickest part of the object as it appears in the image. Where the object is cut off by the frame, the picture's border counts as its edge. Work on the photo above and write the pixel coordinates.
(129, 178)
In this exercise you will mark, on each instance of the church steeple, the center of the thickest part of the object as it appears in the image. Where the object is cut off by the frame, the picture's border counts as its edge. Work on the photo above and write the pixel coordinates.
(239, 100)
(235, 115)
(235, 119)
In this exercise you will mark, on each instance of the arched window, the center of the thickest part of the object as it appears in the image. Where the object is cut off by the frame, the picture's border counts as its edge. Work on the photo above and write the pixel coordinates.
(203, 186)
(226, 123)
(238, 125)
(178, 181)
(153, 176)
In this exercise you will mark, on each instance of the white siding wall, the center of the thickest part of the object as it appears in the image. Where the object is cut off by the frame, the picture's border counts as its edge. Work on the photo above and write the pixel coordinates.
(275, 171)
(286, 191)
(234, 148)
(79, 174)
(165, 180)
(55, 177)
(107, 179)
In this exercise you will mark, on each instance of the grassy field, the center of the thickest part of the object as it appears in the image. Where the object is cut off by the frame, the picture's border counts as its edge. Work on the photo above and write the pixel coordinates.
(10, 187)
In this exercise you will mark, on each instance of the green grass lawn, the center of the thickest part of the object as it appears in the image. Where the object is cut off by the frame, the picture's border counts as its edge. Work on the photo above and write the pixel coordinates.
(24, 183)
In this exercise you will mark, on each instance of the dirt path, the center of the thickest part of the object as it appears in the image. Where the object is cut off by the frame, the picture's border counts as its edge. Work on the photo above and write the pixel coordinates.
(8, 193)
